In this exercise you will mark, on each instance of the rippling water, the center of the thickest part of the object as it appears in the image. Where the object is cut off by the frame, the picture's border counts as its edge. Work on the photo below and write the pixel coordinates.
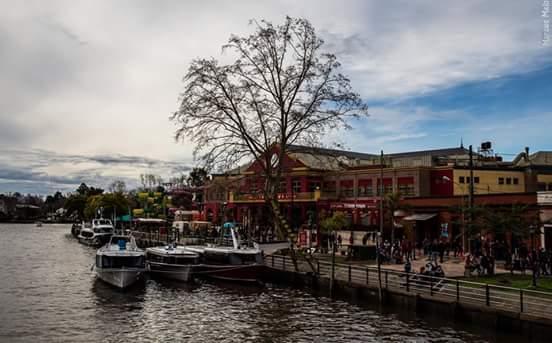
(48, 293)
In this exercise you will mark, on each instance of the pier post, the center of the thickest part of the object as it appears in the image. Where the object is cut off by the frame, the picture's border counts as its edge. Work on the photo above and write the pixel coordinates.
(487, 295)
(521, 300)
(367, 276)
(457, 291)
(349, 273)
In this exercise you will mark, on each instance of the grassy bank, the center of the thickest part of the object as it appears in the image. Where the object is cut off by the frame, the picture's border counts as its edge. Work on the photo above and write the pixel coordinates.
(544, 284)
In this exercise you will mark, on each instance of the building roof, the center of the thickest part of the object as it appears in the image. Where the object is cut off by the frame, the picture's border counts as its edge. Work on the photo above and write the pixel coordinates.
(332, 159)
(329, 152)
(539, 158)
(433, 152)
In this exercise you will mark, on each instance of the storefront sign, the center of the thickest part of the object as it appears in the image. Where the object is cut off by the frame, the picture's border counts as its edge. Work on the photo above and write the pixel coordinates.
(345, 205)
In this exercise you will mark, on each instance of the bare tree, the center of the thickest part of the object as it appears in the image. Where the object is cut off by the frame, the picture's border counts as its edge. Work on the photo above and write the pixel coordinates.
(281, 89)
(117, 186)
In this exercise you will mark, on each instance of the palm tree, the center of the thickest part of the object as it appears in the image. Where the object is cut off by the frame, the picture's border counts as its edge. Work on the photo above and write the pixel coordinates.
(393, 202)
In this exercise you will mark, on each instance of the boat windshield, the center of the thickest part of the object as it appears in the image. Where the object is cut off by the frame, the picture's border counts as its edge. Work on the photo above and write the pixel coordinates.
(102, 222)
(121, 261)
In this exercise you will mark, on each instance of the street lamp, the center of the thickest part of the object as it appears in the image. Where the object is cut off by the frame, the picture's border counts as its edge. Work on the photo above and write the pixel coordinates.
(534, 265)
(448, 179)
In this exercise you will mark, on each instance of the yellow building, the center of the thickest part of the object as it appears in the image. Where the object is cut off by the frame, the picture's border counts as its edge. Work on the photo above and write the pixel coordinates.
(489, 181)
(544, 182)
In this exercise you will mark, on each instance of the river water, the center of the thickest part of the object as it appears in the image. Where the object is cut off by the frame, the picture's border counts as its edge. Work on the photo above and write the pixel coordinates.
(48, 293)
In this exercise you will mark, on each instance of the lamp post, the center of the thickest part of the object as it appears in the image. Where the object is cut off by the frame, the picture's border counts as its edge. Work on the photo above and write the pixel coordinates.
(378, 242)
(534, 265)
(448, 179)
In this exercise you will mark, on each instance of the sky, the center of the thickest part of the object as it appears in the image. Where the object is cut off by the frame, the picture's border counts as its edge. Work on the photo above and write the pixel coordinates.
(87, 87)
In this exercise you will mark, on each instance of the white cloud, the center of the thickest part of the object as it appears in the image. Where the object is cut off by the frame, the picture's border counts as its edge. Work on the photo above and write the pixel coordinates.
(102, 77)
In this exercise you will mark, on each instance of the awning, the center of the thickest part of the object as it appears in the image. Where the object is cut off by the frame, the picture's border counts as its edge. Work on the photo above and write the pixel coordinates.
(420, 216)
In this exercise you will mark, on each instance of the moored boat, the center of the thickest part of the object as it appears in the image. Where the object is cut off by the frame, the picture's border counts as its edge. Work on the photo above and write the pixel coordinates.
(120, 262)
(76, 229)
(96, 233)
(231, 260)
(171, 262)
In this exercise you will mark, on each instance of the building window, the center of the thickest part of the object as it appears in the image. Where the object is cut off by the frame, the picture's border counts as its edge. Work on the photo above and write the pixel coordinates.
(541, 186)
(365, 191)
(550, 186)
(282, 188)
(476, 179)
(346, 188)
(329, 187)
(500, 180)
(313, 185)
(461, 179)
(253, 185)
(508, 180)
(296, 186)
(387, 189)
(406, 189)
(516, 181)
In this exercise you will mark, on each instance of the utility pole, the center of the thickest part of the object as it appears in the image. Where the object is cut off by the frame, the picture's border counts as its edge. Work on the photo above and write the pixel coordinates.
(380, 236)
(471, 195)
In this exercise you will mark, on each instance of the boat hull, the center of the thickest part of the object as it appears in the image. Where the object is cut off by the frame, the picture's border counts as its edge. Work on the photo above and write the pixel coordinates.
(119, 277)
(94, 241)
(178, 272)
(238, 273)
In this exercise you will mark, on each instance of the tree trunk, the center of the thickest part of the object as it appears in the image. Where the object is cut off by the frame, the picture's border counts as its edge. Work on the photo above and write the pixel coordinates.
(284, 232)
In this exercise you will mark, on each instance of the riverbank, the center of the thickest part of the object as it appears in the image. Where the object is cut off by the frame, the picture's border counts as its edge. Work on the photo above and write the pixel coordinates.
(51, 295)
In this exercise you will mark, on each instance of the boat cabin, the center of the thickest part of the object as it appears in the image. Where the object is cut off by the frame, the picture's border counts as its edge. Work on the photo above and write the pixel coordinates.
(171, 255)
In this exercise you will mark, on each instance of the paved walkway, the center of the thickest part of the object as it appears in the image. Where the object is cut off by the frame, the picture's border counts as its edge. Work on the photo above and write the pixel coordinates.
(452, 266)
(514, 300)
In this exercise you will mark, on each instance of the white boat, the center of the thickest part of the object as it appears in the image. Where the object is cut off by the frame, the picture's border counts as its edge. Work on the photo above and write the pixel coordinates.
(120, 262)
(96, 233)
(171, 262)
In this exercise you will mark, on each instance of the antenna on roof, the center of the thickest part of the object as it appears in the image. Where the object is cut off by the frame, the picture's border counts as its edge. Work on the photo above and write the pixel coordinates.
(461, 143)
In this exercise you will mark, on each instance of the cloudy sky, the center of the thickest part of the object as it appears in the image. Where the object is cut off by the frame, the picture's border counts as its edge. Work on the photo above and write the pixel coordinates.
(87, 86)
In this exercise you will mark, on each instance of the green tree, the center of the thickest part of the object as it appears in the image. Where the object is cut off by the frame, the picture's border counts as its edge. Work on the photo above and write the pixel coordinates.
(75, 205)
(330, 225)
(393, 202)
(516, 220)
(335, 222)
(107, 203)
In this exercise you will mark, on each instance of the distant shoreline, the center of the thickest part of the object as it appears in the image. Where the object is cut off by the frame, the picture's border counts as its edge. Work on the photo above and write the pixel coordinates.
(32, 222)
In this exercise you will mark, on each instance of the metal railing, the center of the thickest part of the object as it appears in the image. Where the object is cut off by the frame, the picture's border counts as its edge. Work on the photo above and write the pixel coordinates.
(497, 297)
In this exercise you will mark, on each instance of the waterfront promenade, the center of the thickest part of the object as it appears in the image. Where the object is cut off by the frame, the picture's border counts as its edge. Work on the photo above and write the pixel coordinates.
(514, 302)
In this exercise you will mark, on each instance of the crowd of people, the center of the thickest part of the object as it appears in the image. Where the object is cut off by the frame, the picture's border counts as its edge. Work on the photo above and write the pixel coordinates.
(399, 252)
(538, 261)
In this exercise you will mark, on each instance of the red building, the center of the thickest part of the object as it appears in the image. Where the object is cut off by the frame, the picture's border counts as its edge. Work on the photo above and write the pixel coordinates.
(319, 181)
